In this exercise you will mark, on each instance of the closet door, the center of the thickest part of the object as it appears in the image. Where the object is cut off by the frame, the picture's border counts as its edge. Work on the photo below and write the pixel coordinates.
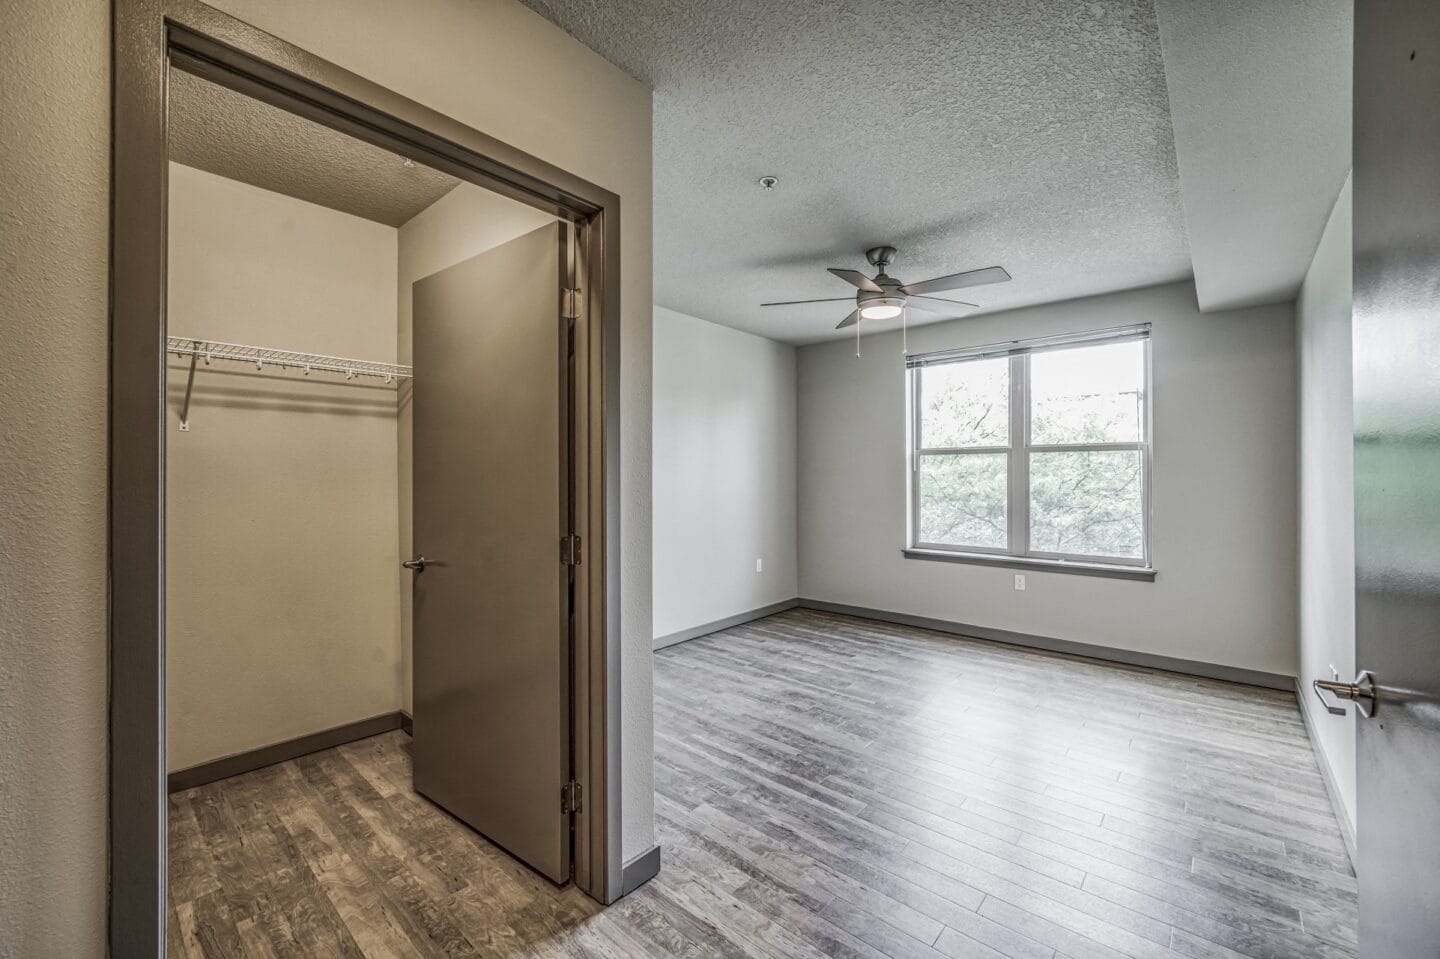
(491, 621)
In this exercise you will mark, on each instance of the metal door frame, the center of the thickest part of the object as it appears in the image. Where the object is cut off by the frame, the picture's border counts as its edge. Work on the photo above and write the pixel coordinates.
(149, 36)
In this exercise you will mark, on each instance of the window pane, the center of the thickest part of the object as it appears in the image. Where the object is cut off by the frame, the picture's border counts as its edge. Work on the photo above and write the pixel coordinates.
(1089, 503)
(965, 404)
(1091, 394)
(962, 499)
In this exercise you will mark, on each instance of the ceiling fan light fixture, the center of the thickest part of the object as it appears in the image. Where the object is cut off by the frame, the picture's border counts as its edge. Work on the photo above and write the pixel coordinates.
(880, 311)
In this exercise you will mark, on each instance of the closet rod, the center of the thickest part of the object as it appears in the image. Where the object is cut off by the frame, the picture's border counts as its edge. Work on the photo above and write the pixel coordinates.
(262, 356)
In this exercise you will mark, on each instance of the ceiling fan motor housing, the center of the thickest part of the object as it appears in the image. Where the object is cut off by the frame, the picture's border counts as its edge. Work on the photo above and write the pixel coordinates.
(869, 302)
(891, 295)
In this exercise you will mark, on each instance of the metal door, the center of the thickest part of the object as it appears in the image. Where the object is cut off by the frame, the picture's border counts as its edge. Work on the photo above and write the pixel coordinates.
(491, 507)
(1397, 472)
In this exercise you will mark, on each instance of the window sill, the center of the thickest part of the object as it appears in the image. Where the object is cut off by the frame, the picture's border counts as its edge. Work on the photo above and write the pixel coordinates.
(1108, 570)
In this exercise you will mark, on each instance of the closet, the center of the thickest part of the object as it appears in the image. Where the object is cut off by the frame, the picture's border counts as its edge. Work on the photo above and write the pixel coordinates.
(307, 272)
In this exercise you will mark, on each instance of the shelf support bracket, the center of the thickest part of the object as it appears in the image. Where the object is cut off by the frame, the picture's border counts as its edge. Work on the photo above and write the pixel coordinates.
(189, 385)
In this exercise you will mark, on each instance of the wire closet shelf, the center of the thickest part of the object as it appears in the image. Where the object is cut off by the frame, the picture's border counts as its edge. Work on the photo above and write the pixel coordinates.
(263, 356)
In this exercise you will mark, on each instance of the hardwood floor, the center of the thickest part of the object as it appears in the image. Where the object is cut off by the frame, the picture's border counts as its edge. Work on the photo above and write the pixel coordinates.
(826, 786)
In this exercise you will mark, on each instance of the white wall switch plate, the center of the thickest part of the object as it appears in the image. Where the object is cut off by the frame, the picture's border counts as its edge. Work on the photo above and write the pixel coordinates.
(759, 565)
(1020, 581)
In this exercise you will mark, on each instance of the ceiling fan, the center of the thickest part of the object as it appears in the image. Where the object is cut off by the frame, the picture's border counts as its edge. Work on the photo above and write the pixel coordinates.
(884, 297)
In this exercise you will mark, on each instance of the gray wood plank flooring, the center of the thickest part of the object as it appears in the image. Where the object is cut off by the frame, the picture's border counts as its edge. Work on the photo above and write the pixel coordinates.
(826, 786)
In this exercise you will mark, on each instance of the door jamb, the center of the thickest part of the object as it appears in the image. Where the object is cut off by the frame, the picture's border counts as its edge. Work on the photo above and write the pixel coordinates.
(148, 37)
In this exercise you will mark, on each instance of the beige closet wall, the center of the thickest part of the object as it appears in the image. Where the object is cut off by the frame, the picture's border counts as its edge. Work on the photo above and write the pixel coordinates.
(461, 224)
(283, 614)
(490, 63)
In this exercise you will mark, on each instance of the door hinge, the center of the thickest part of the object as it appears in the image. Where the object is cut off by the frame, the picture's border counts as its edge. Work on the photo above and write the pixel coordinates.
(570, 798)
(570, 306)
(570, 550)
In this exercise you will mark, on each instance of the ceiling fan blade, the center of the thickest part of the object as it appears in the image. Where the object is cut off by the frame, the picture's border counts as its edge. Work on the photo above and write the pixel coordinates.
(941, 299)
(857, 279)
(833, 299)
(957, 281)
(850, 320)
(931, 311)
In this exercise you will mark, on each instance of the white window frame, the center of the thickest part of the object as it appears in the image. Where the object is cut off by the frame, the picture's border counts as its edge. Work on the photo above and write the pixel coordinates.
(1018, 553)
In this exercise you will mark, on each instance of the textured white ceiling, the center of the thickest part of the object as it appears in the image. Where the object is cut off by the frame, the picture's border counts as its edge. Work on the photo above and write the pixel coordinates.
(1033, 134)
(1260, 94)
(215, 129)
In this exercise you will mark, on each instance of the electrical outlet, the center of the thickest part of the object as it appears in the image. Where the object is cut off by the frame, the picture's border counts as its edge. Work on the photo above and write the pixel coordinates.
(759, 565)
(1020, 581)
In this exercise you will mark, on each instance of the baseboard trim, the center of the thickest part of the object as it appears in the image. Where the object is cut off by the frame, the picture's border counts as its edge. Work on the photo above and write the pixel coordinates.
(1188, 667)
(738, 619)
(1327, 773)
(640, 870)
(1126, 657)
(407, 723)
(253, 759)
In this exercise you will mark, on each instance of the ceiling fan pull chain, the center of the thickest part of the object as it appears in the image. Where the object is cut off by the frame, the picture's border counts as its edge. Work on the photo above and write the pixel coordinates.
(904, 331)
(857, 339)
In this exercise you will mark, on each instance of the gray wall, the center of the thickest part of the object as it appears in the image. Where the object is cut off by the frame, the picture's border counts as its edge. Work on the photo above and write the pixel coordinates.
(724, 472)
(494, 65)
(282, 611)
(1223, 526)
(1327, 490)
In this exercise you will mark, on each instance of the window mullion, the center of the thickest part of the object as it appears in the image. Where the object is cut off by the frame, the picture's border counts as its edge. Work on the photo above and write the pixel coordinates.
(1018, 486)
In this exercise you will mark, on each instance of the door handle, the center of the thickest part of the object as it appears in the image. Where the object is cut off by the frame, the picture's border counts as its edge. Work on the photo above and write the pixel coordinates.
(417, 564)
(1361, 693)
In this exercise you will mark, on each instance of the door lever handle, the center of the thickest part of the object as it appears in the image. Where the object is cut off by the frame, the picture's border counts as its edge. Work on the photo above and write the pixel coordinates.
(1361, 693)
(417, 564)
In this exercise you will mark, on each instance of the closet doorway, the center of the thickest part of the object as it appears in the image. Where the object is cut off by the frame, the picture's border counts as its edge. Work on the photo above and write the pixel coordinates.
(503, 421)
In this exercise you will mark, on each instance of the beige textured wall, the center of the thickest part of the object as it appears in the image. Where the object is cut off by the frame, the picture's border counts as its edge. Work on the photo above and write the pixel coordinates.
(282, 610)
(54, 138)
(464, 222)
(490, 63)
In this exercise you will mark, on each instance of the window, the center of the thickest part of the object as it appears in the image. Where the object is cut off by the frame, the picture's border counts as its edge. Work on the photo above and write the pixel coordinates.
(1036, 450)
